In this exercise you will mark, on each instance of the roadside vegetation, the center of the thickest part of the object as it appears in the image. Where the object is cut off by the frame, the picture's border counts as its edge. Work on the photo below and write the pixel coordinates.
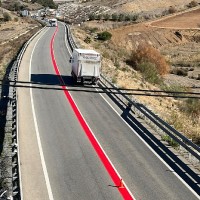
(120, 17)
(149, 62)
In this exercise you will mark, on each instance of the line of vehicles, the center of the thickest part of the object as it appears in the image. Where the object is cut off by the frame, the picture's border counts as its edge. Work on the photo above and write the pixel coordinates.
(85, 63)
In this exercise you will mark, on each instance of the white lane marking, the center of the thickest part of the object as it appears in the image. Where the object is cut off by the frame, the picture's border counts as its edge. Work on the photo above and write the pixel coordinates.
(48, 185)
(150, 148)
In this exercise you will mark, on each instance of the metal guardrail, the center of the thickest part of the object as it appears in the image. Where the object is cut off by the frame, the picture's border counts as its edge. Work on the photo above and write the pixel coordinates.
(152, 119)
(70, 38)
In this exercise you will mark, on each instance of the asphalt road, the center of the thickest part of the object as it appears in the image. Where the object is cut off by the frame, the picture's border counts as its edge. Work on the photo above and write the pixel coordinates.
(74, 169)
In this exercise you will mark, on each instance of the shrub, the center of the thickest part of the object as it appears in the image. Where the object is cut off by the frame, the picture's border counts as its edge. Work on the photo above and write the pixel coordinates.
(116, 63)
(192, 4)
(170, 141)
(174, 88)
(127, 18)
(104, 36)
(172, 10)
(16, 19)
(121, 17)
(6, 17)
(87, 40)
(106, 16)
(149, 72)
(191, 107)
(92, 17)
(98, 17)
(114, 17)
(180, 72)
(148, 54)
(134, 17)
(106, 54)
(93, 30)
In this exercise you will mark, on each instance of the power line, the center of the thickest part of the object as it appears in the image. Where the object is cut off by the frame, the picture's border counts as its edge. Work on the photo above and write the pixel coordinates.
(104, 90)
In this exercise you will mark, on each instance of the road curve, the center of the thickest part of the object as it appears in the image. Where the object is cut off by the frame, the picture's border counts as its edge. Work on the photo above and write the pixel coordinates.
(74, 169)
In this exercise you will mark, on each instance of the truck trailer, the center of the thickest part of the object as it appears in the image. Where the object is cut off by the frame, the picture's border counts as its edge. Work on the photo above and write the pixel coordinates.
(53, 22)
(86, 66)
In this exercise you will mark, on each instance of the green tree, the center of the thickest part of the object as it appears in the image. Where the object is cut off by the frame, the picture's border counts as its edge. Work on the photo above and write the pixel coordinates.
(106, 16)
(98, 17)
(127, 18)
(134, 17)
(91, 16)
(114, 17)
(121, 17)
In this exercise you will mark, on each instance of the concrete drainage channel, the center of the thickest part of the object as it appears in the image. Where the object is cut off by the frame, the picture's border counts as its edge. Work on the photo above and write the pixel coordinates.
(10, 160)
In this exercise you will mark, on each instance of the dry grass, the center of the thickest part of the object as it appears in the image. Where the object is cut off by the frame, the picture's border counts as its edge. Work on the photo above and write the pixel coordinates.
(146, 53)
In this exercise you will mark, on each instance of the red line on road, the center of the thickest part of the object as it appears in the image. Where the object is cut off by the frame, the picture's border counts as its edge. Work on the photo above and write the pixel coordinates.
(106, 162)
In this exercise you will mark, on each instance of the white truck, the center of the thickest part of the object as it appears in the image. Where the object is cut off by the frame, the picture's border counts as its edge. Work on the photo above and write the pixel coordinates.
(53, 22)
(86, 66)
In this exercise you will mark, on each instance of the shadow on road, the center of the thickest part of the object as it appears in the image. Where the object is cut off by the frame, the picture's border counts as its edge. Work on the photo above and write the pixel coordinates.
(178, 166)
(51, 79)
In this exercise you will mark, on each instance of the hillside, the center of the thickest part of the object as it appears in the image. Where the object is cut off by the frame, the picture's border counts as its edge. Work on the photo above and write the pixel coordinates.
(144, 9)
(138, 6)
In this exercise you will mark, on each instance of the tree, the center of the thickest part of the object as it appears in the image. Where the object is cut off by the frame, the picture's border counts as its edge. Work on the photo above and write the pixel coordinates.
(114, 17)
(91, 16)
(127, 18)
(98, 17)
(106, 16)
(121, 17)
